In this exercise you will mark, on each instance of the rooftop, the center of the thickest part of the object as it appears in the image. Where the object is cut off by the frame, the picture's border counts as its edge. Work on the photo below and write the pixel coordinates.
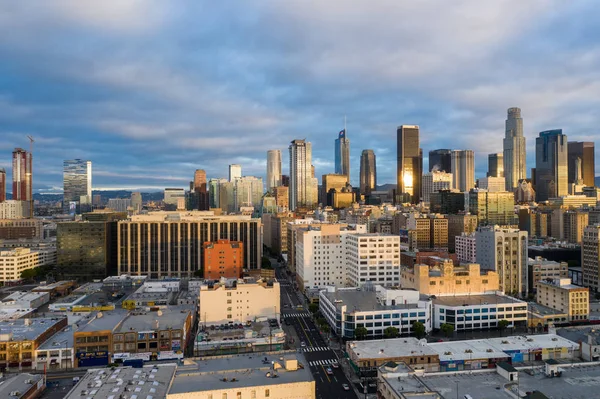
(363, 300)
(469, 300)
(25, 329)
(580, 334)
(19, 383)
(402, 380)
(229, 372)
(23, 296)
(391, 348)
(63, 339)
(146, 382)
(101, 321)
(467, 350)
(170, 317)
(53, 286)
(543, 311)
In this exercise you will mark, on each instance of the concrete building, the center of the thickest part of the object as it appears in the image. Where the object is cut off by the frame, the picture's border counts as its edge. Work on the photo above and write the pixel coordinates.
(448, 280)
(273, 169)
(235, 172)
(368, 172)
(492, 207)
(15, 229)
(496, 166)
(504, 250)
(590, 257)
(466, 248)
(365, 355)
(57, 352)
(332, 183)
(239, 301)
(560, 294)
(282, 198)
(551, 165)
(223, 258)
(514, 145)
(524, 192)
(435, 181)
(119, 204)
(303, 185)
(372, 258)
(136, 202)
(583, 150)
(492, 184)
(23, 386)
(13, 262)
(431, 230)
(248, 192)
(171, 195)
(409, 164)
(463, 170)
(586, 336)
(542, 269)
(459, 224)
(13, 209)
(399, 381)
(440, 160)
(574, 222)
(26, 299)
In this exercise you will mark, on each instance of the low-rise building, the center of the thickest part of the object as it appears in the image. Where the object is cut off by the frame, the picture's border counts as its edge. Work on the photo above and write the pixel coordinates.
(57, 353)
(25, 299)
(14, 262)
(57, 289)
(398, 381)
(93, 338)
(466, 247)
(587, 337)
(541, 316)
(23, 386)
(560, 294)
(259, 336)
(14, 229)
(368, 355)
(542, 269)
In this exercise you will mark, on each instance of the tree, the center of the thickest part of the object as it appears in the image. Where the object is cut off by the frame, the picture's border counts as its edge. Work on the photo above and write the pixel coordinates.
(28, 274)
(313, 308)
(447, 329)
(360, 333)
(419, 329)
(390, 332)
(502, 324)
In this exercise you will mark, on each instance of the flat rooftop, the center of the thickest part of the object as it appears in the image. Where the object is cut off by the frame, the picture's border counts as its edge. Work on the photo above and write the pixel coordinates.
(470, 300)
(402, 380)
(101, 321)
(146, 382)
(247, 370)
(542, 310)
(22, 332)
(467, 350)
(390, 348)
(170, 317)
(23, 296)
(61, 340)
(18, 383)
(358, 301)
(580, 334)
(53, 286)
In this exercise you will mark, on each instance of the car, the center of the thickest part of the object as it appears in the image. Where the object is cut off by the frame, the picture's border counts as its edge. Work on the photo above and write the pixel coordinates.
(335, 365)
(329, 371)
(346, 387)
(303, 344)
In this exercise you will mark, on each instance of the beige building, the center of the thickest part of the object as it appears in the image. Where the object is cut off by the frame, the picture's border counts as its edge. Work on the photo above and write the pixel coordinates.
(282, 198)
(492, 207)
(239, 301)
(573, 224)
(458, 224)
(434, 181)
(450, 280)
(590, 257)
(565, 297)
(15, 261)
(431, 230)
(572, 201)
(542, 269)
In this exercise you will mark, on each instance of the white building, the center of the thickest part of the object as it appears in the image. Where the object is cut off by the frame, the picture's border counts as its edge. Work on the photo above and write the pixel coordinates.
(25, 299)
(239, 301)
(372, 257)
(466, 248)
(14, 261)
(504, 250)
(119, 204)
(12, 209)
(435, 181)
(172, 194)
(492, 184)
(235, 172)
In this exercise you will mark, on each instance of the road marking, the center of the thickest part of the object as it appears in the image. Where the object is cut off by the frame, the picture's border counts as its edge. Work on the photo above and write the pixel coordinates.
(304, 331)
(303, 314)
(326, 362)
(316, 349)
(326, 375)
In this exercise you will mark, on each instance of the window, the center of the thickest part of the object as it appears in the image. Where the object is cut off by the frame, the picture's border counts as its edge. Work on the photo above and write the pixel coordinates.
(252, 394)
(267, 393)
(239, 395)
(224, 396)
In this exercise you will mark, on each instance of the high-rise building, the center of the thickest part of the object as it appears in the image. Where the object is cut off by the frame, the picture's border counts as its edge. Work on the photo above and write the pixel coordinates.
(440, 160)
(496, 166)
(492, 184)
(515, 156)
(431, 231)
(77, 181)
(282, 198)
(119, 204)
(235, 172)
(248, 192)
(200, 180)
(2, 185)
(22, 174)
(136, 202)
(551, 165)
(583, 150)
(368, 172)
(214, 191)
(335, 182)
(409, 164)
(172, 194)
(492, 208)
(590, 257)
(435, 181)
(273, 169)
(201, 190)
(303, 186)
(459, 224)
(285, 180)
(227, 197)
(463, 170)
(447, 202)
(342, 154)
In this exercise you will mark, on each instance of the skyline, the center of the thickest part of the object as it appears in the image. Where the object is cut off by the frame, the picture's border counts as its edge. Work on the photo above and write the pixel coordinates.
(149, 101)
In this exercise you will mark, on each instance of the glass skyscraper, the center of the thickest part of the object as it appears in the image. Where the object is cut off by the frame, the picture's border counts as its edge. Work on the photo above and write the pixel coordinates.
(410, 164)
(551, 165)
(515, 157)
(77, 181)
(342, 155)
(368, 172)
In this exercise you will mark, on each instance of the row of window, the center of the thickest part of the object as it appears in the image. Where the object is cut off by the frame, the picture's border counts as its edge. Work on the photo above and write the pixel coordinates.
(387, 316)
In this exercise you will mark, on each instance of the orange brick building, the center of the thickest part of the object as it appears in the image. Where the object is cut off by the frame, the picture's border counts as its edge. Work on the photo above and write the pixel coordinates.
(223, 258)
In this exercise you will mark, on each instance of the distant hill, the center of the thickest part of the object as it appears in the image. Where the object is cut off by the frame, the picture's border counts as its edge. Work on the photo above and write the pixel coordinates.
(106, 195)
(597, 181)
(386, 187)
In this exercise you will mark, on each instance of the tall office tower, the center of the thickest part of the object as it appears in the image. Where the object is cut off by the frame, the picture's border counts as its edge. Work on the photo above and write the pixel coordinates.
(282, 198)
(504, 250)
(248, 192)
(409, 164)
(368, 172)
(440, 160)
(551, 165)
(273, 169)
(2, 185)
(342, 154)
(136, 202)
(201, 190)
(330, 184)
(227, 197)
(463, 170)
(235, 172)
(301, 180)
(496, 166)
(585, 151)
(492, 208)
(214, 191)
(435, 181)
(22, 175)
(285, 180)
(492, 184)
(515, 157)
(590, 257)
(77, 181)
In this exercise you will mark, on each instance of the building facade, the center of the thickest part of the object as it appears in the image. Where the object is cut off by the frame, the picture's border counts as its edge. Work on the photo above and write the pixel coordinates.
(223, 258)
(492, 208)
(77, 181)
(590, 257)
(560, 294)
(466, 247)
(551, 165)
(463, 170)
(342, 154)
(435, 181)
(496, 166)
(409, 164)
(373, 257)
(459, 224)
(514, 155)
(585, 151)
(303, 189)
(368, 172)
(22, 175)
(440, 160)
(273, 169)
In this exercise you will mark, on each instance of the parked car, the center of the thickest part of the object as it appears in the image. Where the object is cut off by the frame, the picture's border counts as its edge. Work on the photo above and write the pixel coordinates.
(346, 387)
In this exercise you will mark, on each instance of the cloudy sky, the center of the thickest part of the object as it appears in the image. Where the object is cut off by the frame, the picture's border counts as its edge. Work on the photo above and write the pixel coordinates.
(152, 90)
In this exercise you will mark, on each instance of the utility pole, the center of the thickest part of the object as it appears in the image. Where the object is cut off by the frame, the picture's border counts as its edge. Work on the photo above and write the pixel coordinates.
(30, 176)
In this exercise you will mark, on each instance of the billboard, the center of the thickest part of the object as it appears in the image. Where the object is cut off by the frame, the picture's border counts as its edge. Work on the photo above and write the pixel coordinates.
(72, 208)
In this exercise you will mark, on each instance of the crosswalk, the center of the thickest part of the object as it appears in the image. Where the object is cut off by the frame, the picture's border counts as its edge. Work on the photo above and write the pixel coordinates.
(322, 362)
(301, 314)
(315, 349)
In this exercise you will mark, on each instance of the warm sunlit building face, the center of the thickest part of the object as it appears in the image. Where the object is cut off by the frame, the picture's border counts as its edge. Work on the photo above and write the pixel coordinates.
(408, 181)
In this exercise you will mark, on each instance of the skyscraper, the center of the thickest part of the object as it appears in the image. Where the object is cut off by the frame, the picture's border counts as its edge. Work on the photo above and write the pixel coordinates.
(435, 181)
(515, 158)
(463, 170)
(201, 190)
(551, 165)
(273, 169)
(136, 202)
(368, 172)
(303, 187)
(409, 163)
(440, 160)
(235, 172)
(22, 175)
(496, 165)
(342, 154)
(585, 151)
(77, 181)
(2, 185)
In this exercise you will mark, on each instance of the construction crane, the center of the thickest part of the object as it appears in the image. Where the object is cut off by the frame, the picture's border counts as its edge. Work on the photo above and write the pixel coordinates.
(30, 176)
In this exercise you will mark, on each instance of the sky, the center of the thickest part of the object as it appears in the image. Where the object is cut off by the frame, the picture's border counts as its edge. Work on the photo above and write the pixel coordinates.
(151, 90)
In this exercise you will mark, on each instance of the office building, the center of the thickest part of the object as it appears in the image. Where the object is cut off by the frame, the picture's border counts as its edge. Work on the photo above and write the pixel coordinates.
(496, 166)
(282, 198)
(492, 184)
(431, 231)
(373, 258)
(551, 165)
(248, 192)
(214, 193)
(273, 169)
(492, 208)
(201, 200)
(172, 195)
(279, 232)
(365, 355)
(136, 202)
(560, 294)
(440, 160)
(77, 182)
(409, 164)
(12, 209)
(15, 261)
(22, 174)
(463, 170)
(173, 241)
(2, 184)
(15, 229)
(119, 204)
(573, 201)
(330, 184)
(574, 222)
(504, 250)
(235, 172)
(465, 246)
(303, 190)
(514, 155)
(239, 301)
(223, 258)
(447, 202)
(368, 172)
(584, 150)
(435, 181)
(541, 269)
(342, 154)
(459, 224)
(590, 257)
